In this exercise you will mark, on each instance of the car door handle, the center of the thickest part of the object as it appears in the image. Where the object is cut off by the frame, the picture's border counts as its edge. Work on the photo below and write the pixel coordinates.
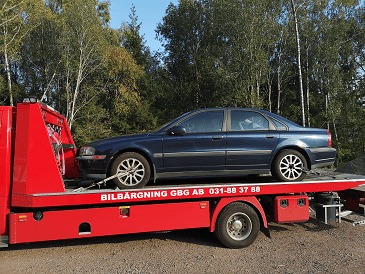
(217, 137)
(270, 136)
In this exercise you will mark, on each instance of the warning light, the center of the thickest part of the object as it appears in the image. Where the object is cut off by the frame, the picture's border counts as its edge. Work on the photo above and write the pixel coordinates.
(22, 218)
(203, 205)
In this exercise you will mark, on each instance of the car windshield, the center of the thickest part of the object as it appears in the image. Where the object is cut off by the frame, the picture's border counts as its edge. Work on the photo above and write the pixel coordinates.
(161, 127)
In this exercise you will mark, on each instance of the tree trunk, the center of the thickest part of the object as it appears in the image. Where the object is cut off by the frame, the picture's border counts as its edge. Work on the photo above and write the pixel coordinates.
(279, 87)
(9, 77)
(197, 77)
(308, 116)
(328, 125)
(76, 93)
(299, 63)
(269, 87)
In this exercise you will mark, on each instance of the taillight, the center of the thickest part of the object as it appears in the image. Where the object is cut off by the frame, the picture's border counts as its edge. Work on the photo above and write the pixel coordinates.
(329, 138)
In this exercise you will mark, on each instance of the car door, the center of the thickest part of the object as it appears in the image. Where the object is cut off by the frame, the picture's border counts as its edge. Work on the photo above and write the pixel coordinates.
(200, 149)
(251, 141)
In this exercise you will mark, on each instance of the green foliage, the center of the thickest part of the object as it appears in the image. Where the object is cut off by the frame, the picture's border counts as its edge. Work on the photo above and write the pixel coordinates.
(2, 90)
(93, 124)
(128, 112)
(132, 41)
(243, 53)
(40, 58)
(238, 53)
(17, 19)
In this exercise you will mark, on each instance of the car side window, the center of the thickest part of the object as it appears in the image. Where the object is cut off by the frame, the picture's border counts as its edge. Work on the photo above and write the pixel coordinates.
(278, 124)
(207, 121)
(248, 120)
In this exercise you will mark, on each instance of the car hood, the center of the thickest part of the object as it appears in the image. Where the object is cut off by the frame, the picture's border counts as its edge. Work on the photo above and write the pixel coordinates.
(118, 139)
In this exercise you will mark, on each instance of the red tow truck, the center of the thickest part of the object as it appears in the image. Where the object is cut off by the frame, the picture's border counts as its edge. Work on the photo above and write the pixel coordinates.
(40, 199)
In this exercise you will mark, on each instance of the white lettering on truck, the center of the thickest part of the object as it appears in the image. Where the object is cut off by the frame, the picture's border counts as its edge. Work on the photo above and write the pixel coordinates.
(133, 195)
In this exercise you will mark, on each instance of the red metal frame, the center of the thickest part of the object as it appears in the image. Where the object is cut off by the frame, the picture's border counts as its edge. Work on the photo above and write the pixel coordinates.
(36, 168)
(353, 199)
(7, 133)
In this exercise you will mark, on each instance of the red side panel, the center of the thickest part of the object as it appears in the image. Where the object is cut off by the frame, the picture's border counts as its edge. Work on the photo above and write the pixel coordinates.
(56, 225)
(290, 209)
(7, 127)
(36, 169)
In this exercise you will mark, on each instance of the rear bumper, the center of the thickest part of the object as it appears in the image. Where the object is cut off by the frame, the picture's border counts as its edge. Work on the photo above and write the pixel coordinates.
(323, 164)
(322, 156)
(316, 150)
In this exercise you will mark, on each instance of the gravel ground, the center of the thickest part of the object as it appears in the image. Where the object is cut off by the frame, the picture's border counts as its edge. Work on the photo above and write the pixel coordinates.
(356, 166)
(310, 247)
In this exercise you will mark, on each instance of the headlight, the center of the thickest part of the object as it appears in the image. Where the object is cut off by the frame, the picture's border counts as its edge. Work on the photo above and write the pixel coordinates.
(87, 151)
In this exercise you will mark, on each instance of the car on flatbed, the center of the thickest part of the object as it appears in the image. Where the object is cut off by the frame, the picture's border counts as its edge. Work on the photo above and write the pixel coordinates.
(211, 142)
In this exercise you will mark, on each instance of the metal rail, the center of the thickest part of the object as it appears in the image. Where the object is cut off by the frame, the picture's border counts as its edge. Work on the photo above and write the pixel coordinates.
(103, 182)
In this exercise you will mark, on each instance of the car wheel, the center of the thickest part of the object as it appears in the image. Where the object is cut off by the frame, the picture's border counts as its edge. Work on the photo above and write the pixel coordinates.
(288, 166)
(134, 168)
(237, 225)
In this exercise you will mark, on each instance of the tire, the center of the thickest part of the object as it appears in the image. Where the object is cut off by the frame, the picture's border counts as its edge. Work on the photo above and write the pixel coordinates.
(237, 225)
(137, 167)
(288, 166)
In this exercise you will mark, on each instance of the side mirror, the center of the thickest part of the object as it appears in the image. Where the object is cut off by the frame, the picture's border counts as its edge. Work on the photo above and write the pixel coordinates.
(176, 130)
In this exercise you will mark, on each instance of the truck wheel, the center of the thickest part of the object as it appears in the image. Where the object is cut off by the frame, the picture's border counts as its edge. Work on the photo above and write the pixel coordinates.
(288, 166)
(237, 225)
(136, 170)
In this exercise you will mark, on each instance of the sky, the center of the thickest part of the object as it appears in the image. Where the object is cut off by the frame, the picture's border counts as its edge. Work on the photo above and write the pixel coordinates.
(149, 13)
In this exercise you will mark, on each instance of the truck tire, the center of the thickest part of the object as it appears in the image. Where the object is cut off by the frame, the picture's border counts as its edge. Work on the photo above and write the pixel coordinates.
(136, 167)
(237, 225)
(288, 166)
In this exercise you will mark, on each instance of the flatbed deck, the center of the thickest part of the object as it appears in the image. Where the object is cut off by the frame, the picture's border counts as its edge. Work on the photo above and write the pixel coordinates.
(193, 189)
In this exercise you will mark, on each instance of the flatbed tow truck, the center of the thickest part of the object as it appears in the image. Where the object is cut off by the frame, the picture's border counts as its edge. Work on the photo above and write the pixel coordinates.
(41, 198)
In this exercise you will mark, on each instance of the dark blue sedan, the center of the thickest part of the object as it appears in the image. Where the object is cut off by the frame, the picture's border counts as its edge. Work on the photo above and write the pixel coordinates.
(211, 142)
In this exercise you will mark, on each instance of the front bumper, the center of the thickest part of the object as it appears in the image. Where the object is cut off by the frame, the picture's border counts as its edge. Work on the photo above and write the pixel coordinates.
(90, 175)
(92, 166)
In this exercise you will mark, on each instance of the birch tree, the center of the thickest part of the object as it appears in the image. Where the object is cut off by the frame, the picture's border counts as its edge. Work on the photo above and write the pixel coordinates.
(301, 92)
(17, 18)
(84, 41)
(40, 62)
